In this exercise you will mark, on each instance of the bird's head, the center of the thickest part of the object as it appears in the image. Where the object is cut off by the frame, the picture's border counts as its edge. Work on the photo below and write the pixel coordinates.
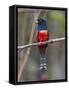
(41, 24)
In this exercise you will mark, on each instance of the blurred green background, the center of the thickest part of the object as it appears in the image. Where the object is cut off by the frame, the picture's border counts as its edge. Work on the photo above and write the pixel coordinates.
(55, 53)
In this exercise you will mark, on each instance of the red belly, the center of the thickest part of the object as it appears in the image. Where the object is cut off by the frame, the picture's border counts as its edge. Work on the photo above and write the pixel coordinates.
(43, 36)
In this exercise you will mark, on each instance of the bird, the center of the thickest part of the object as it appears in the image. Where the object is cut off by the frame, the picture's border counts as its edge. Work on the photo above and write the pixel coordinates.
(42, 35)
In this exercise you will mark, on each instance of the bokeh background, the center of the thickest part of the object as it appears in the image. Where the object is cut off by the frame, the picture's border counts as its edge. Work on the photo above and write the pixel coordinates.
(55, 53)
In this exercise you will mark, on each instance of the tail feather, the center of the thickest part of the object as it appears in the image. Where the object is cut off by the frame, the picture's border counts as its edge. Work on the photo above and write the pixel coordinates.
(43, 67)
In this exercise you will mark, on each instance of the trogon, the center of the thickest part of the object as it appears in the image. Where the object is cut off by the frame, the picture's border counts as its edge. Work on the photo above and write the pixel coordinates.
(42, 35)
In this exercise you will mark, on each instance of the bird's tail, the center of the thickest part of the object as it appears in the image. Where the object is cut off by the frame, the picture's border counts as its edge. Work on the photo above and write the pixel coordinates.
(43, 68)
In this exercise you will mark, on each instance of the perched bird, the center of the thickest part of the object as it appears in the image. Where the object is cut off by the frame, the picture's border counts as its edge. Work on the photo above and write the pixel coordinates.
(43, 35)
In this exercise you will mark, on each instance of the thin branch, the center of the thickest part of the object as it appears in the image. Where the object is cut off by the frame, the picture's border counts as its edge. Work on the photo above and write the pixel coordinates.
(36, 15)
(22, 53)
(39, 43)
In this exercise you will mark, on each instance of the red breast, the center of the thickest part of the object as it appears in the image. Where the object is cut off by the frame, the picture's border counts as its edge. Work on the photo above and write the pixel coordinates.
(43, 35)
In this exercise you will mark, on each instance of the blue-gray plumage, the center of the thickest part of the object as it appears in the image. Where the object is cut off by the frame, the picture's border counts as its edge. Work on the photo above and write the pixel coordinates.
(41, 24)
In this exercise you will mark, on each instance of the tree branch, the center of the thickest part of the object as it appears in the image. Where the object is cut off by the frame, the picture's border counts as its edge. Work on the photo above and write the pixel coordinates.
(39, 43)
(36, 15)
